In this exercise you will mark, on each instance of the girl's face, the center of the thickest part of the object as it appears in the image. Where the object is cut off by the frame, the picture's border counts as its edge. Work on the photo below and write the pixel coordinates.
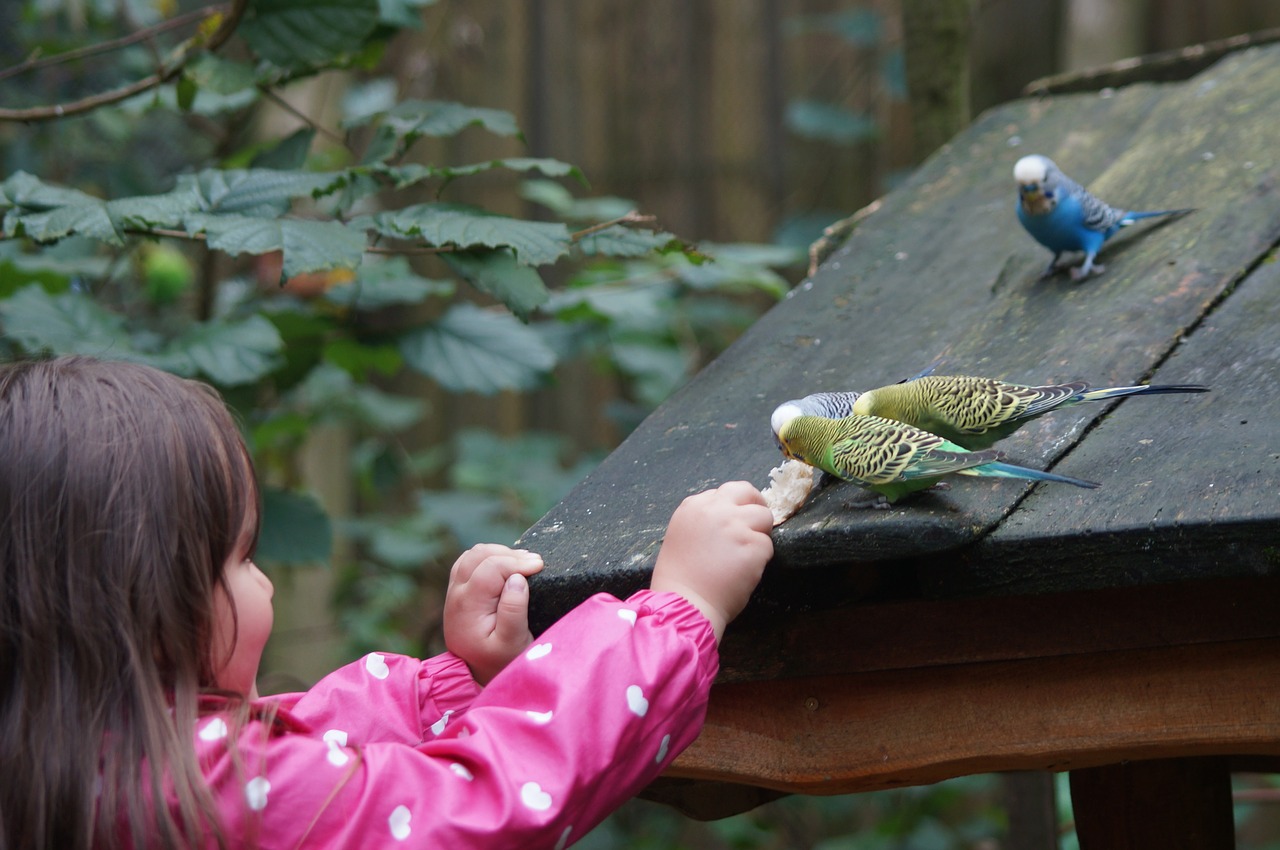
(242, 624)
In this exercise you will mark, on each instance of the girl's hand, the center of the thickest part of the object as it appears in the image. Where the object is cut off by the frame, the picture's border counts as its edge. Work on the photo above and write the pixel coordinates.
(715, 549)
(486, 608)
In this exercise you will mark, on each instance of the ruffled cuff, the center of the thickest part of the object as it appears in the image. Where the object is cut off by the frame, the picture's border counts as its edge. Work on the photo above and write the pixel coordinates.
(445, 687)
(674, 610)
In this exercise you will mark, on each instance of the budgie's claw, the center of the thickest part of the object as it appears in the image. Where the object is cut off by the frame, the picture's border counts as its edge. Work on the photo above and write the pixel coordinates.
(940, 487)
(1081, 273)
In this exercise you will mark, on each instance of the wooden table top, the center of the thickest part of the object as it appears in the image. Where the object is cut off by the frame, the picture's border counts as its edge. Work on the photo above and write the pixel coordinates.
(999, 625)
(942, 273)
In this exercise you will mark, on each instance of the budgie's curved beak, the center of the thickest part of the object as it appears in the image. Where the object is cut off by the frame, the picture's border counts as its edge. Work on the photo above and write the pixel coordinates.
(1034, 198)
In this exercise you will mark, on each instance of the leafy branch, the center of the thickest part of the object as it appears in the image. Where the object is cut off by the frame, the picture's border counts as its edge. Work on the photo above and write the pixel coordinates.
(225, 22)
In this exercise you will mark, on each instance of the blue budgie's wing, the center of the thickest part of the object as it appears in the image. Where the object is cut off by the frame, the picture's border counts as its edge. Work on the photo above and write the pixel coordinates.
(1098, 214)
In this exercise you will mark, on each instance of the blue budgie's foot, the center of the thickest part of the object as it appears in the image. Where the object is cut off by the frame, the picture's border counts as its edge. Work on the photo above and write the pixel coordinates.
(940, 487)
(1051, 269)
(1086, 270)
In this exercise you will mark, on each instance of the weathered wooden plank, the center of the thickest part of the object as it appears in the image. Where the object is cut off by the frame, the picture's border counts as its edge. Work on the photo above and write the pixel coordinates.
(1192, 486)
(839, 734)
(943, 271)
(907, 634)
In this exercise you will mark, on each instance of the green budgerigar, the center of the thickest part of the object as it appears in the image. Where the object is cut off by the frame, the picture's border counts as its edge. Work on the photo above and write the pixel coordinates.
(976, 412)
(891, 457)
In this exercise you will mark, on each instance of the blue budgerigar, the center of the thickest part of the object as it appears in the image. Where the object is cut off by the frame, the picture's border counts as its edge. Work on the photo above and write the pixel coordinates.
(1063, 216)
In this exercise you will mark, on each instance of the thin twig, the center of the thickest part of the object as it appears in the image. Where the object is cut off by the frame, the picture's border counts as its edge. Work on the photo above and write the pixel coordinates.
(633, 217)
(88, 104)
(36, 63)
(298, 113)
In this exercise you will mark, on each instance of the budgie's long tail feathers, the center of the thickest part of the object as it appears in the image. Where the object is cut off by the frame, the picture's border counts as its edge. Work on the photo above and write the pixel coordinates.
(1103, 393)
(998, 469)
(940, 461)
(1130, 217)
(923, 373)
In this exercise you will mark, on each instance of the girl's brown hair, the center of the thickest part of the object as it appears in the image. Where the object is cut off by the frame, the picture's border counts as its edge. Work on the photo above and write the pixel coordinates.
(123, 492)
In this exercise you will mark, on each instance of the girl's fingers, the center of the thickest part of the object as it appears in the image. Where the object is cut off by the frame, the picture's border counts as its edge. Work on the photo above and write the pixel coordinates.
(511, 628)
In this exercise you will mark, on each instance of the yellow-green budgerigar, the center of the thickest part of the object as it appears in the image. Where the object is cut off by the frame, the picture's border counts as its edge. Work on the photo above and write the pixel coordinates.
(976, 412)
(891, 457)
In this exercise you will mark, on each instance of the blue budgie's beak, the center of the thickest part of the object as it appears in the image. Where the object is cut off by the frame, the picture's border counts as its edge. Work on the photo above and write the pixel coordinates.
(1035, 200)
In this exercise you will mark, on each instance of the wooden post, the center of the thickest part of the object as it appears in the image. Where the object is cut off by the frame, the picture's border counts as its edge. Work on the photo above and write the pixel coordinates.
(1030, 804)
(936, 40)
(1179, 804)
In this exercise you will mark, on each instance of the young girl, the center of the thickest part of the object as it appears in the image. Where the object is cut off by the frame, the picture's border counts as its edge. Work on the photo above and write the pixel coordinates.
(133, 619)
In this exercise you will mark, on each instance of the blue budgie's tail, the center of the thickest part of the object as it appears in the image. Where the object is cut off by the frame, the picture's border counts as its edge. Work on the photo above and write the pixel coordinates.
(1103, 393)
(999, 469)
(1132, 216)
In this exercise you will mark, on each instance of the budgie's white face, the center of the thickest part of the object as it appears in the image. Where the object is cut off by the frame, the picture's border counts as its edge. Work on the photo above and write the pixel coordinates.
(1036, 184)
(783, 414)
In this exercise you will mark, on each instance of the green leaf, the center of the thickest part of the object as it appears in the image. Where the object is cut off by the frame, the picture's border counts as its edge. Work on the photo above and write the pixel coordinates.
(387, 283)
(295, 528)
(828, 122)
(358, 360)
(15, 275)
(362, 101)
(148, 212)
(289, 152)
(498, 274)
(755, 254)
(229, 353)
(330, 390)
(300, 33)
(859, 27)
(471, 517)
(68, 323)
(47, 213)
(186, 91)
(534, 242)
(410, 119)
(615, 301)
(475, 350)
(220, 76)
(414, 172)
(255, 191)
(307, 246)
(560, 201)
(402, 13)
(722, 275)
(404, 543)
(311, 246)
(620, 241)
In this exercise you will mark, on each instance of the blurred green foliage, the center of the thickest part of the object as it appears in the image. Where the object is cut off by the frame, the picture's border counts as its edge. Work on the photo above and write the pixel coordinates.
(308, 273)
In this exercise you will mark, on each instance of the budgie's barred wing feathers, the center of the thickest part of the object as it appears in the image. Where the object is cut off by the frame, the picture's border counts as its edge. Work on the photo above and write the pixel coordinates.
(1098, 214)
(974, 405)
(879, 451)
(1043, 399)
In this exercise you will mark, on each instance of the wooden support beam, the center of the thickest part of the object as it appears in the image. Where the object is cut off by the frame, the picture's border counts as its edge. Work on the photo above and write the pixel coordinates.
(839, 734)
(1180, 804)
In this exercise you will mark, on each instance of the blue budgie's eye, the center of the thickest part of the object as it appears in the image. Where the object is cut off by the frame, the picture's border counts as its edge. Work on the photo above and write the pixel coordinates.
(1048, 193)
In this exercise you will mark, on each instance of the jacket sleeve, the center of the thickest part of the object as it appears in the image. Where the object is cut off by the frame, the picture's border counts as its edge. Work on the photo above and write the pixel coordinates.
(595, 709)
(410, 696)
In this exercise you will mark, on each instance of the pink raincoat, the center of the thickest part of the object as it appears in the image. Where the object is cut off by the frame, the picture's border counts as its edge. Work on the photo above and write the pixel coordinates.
(393, 752)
